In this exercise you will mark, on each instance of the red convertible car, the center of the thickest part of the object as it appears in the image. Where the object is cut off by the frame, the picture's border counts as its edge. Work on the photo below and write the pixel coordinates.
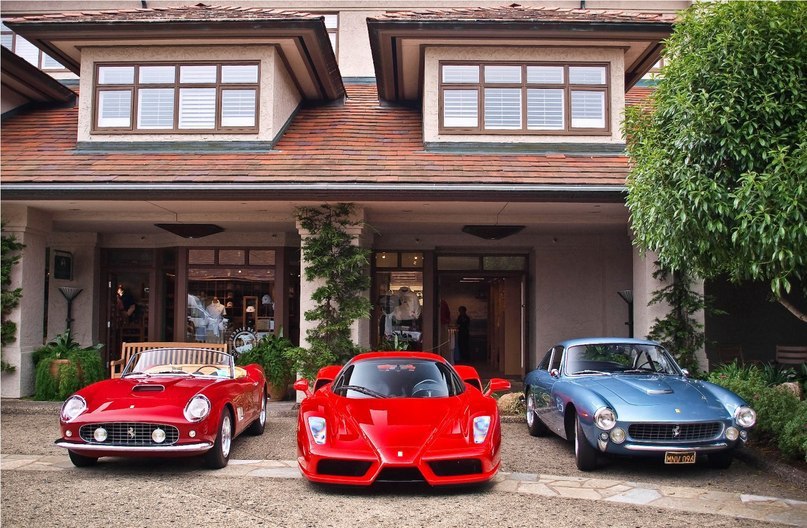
(168, 402)
(399, 416)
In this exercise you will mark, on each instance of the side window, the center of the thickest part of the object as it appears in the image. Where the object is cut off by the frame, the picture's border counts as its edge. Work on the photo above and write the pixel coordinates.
(557, 354)
(544, 365)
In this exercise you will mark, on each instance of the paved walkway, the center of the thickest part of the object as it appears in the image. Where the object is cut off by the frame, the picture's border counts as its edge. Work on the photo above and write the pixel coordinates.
(696, 500)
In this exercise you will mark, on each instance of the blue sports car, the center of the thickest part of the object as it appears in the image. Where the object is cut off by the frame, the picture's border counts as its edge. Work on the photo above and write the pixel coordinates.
(619, 396)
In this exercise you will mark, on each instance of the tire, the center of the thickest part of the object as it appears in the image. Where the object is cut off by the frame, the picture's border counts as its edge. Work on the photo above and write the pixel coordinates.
(721, 460)
(534, 424)
(219, 454)
(81, 460)
(256, 428)
(584, 454)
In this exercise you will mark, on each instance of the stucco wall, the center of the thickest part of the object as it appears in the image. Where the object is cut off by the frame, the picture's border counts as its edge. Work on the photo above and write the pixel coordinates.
(11, 100)
(284, 96)
(271, 112)
(431, 98)
(353, 43)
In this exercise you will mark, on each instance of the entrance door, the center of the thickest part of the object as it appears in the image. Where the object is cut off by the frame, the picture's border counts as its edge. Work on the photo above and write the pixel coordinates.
(492, 337)
(127, 310)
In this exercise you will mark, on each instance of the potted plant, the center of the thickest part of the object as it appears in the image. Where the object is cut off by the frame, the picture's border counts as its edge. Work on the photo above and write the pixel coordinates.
(63, 366)
(272, 353)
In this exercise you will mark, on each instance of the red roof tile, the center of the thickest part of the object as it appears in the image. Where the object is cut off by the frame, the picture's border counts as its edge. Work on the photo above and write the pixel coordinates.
(515, 12)
(361, 141)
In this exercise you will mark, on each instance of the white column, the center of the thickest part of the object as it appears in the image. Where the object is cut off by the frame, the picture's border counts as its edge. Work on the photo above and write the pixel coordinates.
(30, 227)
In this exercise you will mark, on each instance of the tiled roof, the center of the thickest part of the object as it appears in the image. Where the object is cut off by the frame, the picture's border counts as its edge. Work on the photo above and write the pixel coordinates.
(361, 141)
(638, 95)
(515, 12)
(198, 12)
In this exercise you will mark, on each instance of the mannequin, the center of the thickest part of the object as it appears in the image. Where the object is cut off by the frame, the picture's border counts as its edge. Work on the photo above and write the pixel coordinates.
(216, 311)
(408, 308)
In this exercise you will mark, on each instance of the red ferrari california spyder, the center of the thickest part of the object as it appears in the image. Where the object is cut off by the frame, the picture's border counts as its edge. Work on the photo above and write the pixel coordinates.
(399, 416)
(168, 402)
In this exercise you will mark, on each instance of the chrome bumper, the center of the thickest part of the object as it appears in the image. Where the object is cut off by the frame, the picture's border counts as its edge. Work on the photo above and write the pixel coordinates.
(666, 448)
(185, 448)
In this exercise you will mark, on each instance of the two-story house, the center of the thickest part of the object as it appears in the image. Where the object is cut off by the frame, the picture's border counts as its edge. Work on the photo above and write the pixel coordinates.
(480, 145)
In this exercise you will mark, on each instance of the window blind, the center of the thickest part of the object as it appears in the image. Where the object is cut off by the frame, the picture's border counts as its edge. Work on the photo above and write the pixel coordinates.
(460, 108)
(197, 108)
(503, 108)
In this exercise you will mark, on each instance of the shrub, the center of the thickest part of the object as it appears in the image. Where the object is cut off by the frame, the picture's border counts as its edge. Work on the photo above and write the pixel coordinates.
(793, 440)
(83, 367)
(272, 353)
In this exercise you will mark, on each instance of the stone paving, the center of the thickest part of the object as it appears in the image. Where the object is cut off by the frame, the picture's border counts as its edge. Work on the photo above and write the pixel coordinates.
(696, 500)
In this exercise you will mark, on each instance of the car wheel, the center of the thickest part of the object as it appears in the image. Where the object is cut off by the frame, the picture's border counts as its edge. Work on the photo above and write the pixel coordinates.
(81, 460)
(219, 454)
(534, 424)
(721, 460)
(256, 428)
(584, 454)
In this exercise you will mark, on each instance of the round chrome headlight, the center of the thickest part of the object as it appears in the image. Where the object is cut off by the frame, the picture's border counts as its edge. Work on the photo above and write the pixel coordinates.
(73, 407)
(618, 435)
(745, 416)
(732, 433)
(605, 418)
(99, 434)
(197, 409)
(158, 435)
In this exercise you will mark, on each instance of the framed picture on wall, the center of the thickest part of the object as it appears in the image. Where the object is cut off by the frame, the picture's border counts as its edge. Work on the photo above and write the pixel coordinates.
(62, 265)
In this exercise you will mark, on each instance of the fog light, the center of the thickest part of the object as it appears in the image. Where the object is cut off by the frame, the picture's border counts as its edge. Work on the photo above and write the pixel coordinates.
(68, 433)
(618, 435)
(192, 434)
(158, 435)
(744, 435)
(99, 434)
(604, 437)
(732, 433)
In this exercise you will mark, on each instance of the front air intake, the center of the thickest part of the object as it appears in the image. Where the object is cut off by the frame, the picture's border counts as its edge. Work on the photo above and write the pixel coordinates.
(148, 388)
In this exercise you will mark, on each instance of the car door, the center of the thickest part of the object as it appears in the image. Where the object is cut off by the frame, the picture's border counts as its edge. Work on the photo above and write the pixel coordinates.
(548, 375)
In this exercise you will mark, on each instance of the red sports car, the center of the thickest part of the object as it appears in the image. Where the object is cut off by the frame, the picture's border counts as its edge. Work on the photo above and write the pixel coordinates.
(168, 402)
(399, 416)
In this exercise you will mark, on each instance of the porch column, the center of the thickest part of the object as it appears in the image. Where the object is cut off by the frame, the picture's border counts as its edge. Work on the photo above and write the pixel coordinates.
(644, 287)
(30, 227)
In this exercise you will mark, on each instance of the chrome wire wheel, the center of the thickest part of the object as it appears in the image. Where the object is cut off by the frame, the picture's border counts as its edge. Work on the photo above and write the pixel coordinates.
(262, 416)
(226, 435)
(530, 410)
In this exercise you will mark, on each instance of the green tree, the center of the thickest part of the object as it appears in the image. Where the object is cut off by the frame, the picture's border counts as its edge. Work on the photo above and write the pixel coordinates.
(718, 183)
(10, 299)
(342, 269)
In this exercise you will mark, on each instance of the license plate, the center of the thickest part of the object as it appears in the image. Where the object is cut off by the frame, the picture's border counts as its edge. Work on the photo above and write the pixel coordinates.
(679, 457)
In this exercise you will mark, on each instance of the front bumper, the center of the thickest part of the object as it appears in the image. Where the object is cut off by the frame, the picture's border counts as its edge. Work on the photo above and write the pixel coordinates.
(113, 450)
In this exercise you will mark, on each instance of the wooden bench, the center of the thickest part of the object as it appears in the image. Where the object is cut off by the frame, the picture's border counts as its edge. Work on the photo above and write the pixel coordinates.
(791, 355)
(127, 350)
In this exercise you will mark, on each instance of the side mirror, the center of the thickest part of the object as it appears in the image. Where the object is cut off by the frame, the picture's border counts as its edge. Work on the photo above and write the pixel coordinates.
(555, 373)
(497, 385)
(302, 386)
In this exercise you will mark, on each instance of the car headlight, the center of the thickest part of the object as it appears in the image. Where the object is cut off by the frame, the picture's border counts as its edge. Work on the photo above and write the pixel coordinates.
(316, 424)
(605, 418)
(72, 408)
(745, 416)
(197, 409)
(481, 427)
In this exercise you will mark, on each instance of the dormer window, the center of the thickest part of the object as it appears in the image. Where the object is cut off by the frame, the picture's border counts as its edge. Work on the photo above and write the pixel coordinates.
(529, 98)
(176, 98)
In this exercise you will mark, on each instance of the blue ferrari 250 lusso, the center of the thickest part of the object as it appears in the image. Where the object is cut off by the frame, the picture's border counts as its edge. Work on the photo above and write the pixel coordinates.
(620, 396)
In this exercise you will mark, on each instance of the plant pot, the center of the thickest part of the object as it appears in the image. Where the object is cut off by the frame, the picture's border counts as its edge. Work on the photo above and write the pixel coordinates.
(278, 392)
(56, 364)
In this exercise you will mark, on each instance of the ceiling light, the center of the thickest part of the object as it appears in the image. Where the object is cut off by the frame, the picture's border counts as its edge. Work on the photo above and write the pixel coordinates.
(191, 230)
(492, 232)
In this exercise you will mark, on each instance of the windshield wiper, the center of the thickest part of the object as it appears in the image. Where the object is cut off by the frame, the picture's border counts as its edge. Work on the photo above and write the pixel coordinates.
(363, 390)
(638, 371)
(591, 372)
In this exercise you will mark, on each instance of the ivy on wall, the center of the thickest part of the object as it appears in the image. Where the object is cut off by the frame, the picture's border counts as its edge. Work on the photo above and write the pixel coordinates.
(341, 268)
(9, 299)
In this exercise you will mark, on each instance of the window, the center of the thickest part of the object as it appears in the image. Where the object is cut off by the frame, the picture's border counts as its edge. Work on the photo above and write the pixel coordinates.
(176, 98)
(524, 98)
(28, 51)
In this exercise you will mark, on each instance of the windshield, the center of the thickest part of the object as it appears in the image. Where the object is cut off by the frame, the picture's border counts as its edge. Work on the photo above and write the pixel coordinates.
(181, 361)
(619, 358)
(398, 378)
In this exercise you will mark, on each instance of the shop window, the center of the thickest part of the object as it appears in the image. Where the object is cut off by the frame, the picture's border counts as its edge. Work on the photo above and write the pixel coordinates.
(457, 262)
(399, 307)
(386, 260)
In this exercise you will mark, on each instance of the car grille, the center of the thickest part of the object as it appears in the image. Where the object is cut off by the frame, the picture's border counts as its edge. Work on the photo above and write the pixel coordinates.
(400, 474)
(450, 468)
(129, 434)
(663, 432)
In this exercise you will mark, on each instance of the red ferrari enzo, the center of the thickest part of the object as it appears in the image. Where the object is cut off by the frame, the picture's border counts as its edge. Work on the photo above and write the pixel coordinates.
(399, 416)
(168, 402)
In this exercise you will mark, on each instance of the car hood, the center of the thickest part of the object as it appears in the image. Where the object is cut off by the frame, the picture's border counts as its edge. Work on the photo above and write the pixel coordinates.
(133, 395)
(663, 393)
(400, 428)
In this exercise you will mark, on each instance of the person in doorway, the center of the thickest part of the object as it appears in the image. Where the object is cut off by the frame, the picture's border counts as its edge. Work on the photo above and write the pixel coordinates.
(464, 334)
(126, 303)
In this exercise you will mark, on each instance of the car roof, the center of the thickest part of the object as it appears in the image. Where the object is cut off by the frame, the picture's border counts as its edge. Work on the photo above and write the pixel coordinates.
(606, 341)
(398, 355)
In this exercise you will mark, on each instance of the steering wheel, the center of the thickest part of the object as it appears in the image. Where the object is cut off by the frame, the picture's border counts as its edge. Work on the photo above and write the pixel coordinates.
(425, 388)
(214, 367)
(647, 362)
